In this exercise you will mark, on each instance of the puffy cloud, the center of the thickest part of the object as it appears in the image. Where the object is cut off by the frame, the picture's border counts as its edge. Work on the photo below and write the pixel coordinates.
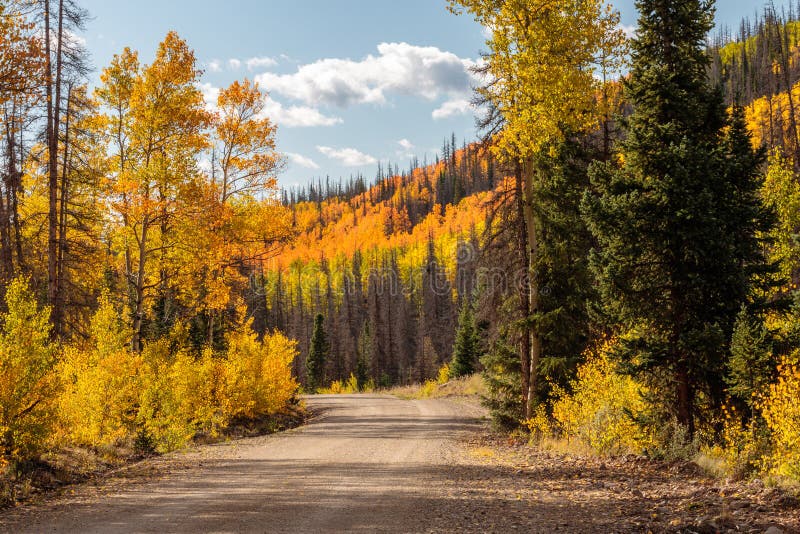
(297, 116)
(399, 68)
(210, 95)
(629, 30)
(451, 108)
(214, 65)
(234, 64)
(260, 63)
(406, 144)
(301, 160)
(349, 157)
(406, 148)
(290, 117)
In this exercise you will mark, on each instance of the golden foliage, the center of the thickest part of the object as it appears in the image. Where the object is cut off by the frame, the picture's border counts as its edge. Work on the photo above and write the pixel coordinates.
(165, 398)
(258, 377)
(28, 383)
(781, 411)
(541, 66)
(781, 192)
(601, 409)
(340, 387)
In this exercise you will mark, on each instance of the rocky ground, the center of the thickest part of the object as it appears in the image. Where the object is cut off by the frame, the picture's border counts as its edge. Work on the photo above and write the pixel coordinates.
(627, 494)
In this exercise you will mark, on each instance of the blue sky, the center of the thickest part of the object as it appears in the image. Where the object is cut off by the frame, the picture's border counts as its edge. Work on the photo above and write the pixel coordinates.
(352, 82)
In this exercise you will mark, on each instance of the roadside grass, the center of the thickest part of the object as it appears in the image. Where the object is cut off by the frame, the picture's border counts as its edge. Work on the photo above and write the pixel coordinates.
(467, 386)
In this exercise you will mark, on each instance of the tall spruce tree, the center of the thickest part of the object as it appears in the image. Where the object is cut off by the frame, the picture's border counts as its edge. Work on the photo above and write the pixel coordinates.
(317, 355)
(676, 223)
(467, 348)
(502, 376)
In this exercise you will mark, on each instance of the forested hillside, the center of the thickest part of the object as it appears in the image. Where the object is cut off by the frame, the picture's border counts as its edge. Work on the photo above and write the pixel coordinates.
(387, 266)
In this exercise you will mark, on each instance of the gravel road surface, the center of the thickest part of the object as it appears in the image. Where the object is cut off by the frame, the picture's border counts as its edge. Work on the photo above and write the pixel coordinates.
(363, 463)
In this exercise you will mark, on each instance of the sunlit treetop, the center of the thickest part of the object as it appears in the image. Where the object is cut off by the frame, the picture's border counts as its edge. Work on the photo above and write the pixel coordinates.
(542, 66)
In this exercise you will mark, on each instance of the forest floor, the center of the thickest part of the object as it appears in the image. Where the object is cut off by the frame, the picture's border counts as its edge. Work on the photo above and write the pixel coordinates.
(376, 463)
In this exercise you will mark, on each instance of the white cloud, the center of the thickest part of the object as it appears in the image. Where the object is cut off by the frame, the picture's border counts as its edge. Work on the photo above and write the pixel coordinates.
(302, 161)
(210, 95)
(349, 157)
(451, 108)
(297, 116)
(204, 164)
(260, 63)
(629, 30)
(406, 148)
(290, 117)
(253, 63)
(214, 65)
(399, 68)
(74, 39)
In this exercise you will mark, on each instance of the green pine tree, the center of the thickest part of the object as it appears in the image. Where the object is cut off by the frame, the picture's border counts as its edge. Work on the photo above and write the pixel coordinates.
(467, 348)
(565, 281)
(752, 366)
(317, 355)
(677, 224)
(501, 374)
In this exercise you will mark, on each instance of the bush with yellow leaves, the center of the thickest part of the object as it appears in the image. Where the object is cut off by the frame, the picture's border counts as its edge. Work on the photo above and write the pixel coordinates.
(781, 411)
(744, 447)
(28, 383)
(602, 408)
(443, 376)
(342, 387)
(258, 378)
(102, 382)
(181, 397)
(162, 398)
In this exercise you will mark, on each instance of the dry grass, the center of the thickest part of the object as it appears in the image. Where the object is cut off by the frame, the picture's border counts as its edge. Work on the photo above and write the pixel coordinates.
(468, 386)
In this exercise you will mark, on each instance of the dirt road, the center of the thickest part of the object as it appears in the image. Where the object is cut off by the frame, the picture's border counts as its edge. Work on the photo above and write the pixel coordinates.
(363, 463)
(372, 463)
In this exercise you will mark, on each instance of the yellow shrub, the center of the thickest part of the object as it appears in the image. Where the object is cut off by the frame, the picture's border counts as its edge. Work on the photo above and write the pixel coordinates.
(165, 398)
(156, 424)
(743, 447)
(539, 425)
(258, 376)
(428, 389)
(28, 383)
(599, 410)
(100, 398)
(444, 374)
(339, 387)
(351, 386)
(101, 384)
(336, 388)
(369, 387)
(182, 397)
(197, 389)
(781, 411)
